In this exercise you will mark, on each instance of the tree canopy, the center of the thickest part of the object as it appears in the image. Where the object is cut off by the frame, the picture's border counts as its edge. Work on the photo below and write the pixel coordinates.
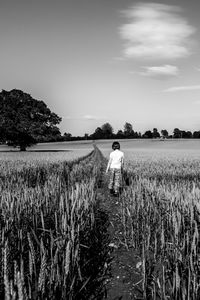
(128, 130)
(24, 120)
(164, 133)
(107, 130)
(103, 132)
(155, 133)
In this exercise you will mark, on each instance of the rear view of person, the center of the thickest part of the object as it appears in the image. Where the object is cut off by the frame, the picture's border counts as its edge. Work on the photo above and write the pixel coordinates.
(115, 166)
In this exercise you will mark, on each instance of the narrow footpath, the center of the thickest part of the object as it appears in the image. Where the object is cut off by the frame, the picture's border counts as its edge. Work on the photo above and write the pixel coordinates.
(125, 281)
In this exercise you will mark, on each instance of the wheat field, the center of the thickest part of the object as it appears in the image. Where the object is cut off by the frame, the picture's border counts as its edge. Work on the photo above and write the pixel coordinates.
(48, 215)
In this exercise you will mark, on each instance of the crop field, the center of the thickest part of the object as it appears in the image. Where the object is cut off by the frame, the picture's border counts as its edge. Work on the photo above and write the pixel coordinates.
(54, 237)
(46, 152)
(49, 236)
(160, 212)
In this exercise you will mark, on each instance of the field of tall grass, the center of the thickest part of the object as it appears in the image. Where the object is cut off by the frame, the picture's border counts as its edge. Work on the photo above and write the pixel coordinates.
(46, 152)
(54, 240)
(160, 212)
(51, 247)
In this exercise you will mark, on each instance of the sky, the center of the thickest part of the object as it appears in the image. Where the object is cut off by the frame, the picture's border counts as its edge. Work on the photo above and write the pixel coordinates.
(98, 61)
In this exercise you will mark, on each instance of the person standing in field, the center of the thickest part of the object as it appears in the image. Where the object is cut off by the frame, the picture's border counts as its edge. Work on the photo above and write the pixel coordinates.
(115, 166)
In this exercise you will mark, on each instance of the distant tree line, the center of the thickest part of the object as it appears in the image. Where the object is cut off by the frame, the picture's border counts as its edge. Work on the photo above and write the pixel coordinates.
(106, 132)
(25, 121)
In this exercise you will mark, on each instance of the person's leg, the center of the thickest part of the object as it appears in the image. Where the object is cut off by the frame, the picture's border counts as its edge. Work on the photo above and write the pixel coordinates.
(117, 181)
(111, 180)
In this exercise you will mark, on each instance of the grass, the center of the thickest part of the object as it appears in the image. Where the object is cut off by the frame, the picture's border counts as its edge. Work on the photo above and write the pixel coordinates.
(54, 241)
(49, 218)
(160, 213)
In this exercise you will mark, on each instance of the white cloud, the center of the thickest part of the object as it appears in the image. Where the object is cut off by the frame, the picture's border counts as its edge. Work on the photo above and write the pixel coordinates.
(183, 88)
(85, 117)
(90, 117)
(160, 72)
(156, 31)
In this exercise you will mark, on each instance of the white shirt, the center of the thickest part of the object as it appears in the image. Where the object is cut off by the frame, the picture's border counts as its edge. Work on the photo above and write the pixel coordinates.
(116, 159)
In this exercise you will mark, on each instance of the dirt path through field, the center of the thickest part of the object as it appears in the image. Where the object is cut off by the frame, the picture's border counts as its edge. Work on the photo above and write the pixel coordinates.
(125, 276)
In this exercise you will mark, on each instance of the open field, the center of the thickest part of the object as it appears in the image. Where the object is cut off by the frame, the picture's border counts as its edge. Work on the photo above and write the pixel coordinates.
(55, 231)
(154, 148)
(150, 149)
(47, 152)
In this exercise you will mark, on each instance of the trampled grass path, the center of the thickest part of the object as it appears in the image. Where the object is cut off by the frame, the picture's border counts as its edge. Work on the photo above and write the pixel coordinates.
(125, 277)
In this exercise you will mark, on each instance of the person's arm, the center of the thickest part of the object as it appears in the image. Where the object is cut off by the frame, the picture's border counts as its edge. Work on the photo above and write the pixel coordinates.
(109, 163)
(122, 163)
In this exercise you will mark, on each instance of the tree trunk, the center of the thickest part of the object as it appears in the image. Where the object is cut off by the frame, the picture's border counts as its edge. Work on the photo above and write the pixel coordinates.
(22, 148)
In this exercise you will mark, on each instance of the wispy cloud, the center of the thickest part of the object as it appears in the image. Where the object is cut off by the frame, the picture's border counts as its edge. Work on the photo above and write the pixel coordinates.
(85, 118)
(68, 117)
(156, 31)
(160, 72)
(183, 88)
(90, 117)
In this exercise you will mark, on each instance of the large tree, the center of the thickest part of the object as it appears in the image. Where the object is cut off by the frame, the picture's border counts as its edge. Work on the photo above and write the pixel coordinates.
(177, 133)
(24, 121)
(148, 134)
(128, 130)
(196, 134)
(98, 134)
(67, 136)
(120, 134)
(164, 133)
(155, 133)
(107, 130)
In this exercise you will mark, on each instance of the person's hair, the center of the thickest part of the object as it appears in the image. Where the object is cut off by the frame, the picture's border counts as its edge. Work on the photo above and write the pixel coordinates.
(116, 145)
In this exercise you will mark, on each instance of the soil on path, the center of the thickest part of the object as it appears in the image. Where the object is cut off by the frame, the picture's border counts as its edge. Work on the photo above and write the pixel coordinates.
(126, 280)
